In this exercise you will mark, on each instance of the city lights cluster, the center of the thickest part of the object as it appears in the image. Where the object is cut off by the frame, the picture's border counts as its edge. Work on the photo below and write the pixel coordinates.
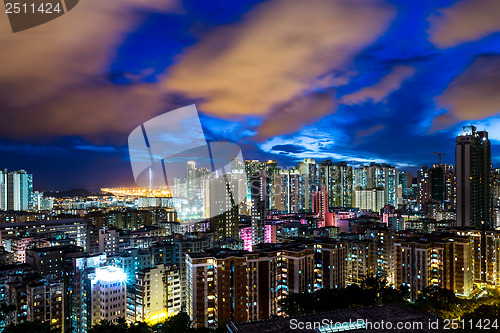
(138, 192)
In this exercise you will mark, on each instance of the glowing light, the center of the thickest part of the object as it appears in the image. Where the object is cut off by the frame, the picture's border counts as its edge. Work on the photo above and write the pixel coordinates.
(157, 318)
(138, 192)
(110, 274)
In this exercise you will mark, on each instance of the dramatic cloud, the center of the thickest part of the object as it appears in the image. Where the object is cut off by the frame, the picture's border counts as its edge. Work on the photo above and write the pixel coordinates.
(274, 55)
(313, 143)
(464, 21)
(294, 149)
(52, 78)
(379, 91)
(472, 95)
(369, 131)
(292, 115)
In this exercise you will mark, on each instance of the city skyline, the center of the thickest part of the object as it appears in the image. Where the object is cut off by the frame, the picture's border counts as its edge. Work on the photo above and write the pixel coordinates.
(413, 171)
(385, 86)
(249, 166)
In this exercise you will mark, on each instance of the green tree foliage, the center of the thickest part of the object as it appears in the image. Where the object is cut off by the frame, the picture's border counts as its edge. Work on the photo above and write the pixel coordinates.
(179, 323)
(176, 324)
(484, 311)
(372, 291)
(31, 327)
(441, 302)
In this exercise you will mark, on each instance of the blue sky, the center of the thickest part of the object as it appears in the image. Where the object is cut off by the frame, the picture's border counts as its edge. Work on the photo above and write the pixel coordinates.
(353, 80)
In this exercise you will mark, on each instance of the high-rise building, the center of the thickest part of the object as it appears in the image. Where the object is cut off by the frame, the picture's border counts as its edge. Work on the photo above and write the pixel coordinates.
(404, 185)
(78, 290)
(384, 262)
(108, 241)
(33, 299)
(3, 189)
(105, 295)
(473, 170)
(309, 175)
(492, 251)
(450, 187)
(238, 286)
(16, 190)
(72, 228)
(386, 177)
(338, 180)
(495, 187)
(157, 294)
(258, 190)
(274, 272)
(369, 199)
(495, 183)
(320, 206)
(436, 188)
(221, 204)
(216, 288)
(441, 260)
(45, 302)
(286, 191)
(360, 261)
(431, 191)
(253, 168)
(330, 265)
(50, 261)
(361, 177)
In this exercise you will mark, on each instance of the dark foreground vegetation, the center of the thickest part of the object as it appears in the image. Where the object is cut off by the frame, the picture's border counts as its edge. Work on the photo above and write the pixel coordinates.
(373, 291)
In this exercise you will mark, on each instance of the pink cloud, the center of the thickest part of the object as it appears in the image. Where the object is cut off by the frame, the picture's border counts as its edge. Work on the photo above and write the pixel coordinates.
(472, 95)
(464, 21)
(379, 91)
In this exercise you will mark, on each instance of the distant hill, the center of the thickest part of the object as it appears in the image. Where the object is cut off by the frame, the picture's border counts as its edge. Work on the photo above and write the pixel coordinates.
(77, 192)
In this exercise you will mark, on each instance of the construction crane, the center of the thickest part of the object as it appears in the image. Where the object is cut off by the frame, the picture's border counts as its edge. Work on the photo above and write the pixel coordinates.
(440, 155)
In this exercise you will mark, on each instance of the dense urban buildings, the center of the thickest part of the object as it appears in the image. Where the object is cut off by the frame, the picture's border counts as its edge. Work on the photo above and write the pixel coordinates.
(228, 248)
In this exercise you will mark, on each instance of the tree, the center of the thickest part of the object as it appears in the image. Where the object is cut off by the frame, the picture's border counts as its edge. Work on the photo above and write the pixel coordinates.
(106, 326)
(372, 291)
(440, 301)
(31, 327)
(179, 323)
(485, 311)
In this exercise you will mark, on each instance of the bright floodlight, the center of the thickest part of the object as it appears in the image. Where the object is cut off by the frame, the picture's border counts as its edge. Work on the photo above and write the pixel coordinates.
(110, 274)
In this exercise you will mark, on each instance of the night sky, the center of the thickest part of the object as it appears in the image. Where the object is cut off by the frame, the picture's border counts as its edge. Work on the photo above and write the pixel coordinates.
(355, 80)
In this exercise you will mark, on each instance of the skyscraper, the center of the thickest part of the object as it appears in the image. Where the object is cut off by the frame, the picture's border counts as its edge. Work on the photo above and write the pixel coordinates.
(286, 191)
(473, 171)
(404, 185)
(253, 168)
(258, 189)
(105, 295)
(338, 180)
(19, 190)
(3, 189)
(221, 204)
(309, 177)
(386, 177)
(431, 190)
